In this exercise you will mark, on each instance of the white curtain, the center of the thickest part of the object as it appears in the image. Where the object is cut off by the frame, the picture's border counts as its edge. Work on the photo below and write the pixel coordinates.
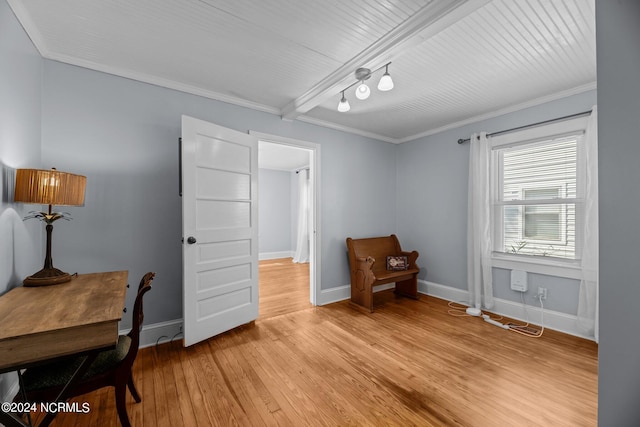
(589, 288)
(302, 239)
(479, 274)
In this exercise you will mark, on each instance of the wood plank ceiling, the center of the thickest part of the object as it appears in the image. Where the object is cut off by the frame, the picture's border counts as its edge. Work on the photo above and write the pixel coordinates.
(453, 61)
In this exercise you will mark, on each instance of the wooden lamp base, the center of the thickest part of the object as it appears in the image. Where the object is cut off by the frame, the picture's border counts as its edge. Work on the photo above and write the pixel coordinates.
(47, 276)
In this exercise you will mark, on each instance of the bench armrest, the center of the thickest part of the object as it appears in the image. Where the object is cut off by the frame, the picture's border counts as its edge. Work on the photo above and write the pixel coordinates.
(363, 263)
(411, 257)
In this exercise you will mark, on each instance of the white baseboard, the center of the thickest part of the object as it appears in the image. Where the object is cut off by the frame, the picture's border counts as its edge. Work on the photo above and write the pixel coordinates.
(158, 333)
(562, 322)
(328, 296)
(342, 293)
(441, 291)
(275, 255)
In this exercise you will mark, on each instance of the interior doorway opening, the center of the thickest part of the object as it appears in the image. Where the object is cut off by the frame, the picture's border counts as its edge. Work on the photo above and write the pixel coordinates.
(288, 218)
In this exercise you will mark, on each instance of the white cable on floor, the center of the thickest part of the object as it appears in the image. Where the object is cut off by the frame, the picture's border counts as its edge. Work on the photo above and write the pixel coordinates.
(458, 309)
(525, 332)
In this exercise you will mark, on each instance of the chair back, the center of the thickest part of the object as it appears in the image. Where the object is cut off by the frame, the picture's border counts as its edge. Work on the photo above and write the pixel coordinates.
(138, 317)
(376, 247)
(147, 278)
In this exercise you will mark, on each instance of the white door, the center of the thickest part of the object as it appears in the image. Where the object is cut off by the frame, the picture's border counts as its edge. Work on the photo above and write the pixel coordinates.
(219, 229)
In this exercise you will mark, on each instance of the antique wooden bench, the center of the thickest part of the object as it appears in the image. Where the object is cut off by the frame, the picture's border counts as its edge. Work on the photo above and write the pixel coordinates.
(368, 264)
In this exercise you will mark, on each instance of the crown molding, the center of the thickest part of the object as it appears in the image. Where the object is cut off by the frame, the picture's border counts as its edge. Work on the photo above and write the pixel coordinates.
(162, 82)
(347, 129)
(512, 109)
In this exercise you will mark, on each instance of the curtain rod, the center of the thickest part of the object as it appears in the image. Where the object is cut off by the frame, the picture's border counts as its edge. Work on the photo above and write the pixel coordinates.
(571, 116)
(302, 169)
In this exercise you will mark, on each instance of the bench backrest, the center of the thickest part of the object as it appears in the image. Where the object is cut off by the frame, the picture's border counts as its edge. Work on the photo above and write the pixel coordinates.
(376, 247)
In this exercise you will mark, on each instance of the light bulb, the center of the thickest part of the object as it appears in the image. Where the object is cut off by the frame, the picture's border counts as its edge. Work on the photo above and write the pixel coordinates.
(343, 105)
(363, 91)
(385, 82)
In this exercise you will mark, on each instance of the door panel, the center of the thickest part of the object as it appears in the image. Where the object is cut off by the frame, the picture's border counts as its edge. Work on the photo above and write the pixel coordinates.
(231, 185)
(219, 202)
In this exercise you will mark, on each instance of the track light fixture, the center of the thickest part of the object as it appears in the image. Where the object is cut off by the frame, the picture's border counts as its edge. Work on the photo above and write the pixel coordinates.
(385, 82)
(362, 90)
(343, 105)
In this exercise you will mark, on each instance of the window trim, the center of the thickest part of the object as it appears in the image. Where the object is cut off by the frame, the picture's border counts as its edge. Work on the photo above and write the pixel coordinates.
(551, 266)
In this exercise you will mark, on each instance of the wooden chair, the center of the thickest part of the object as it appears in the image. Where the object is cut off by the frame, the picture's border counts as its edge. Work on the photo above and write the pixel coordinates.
(112, 368)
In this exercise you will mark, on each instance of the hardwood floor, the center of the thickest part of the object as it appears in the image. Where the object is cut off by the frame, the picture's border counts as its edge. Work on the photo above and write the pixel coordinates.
(284, 287)
(408, 363)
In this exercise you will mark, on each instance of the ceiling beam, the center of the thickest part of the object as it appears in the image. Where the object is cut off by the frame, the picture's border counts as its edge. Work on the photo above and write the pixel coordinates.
(428, 21)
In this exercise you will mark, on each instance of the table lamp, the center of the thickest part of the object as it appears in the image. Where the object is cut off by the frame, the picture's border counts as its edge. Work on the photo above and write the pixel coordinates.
(49, 187)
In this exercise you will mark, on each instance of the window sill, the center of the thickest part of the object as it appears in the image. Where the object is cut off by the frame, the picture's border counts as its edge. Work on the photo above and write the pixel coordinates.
(569, 269)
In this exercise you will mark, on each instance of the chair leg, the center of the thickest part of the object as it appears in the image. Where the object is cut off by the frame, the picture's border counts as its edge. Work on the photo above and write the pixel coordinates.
(121, 404)
(132, 389)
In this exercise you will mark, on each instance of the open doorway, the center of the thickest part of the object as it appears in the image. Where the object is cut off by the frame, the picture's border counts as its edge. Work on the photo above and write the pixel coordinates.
(288, 206)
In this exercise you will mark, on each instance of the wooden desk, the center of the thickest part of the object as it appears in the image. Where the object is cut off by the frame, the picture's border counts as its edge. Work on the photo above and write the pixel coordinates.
(47, 322)
(41, 323)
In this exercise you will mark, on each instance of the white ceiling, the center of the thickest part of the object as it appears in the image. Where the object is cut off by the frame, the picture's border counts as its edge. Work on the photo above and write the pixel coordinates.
(282, 157)
(453, 61)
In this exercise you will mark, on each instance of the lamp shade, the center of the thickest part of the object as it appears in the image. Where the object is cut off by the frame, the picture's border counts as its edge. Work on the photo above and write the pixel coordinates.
(363, 91)
(49, 187)
(343, 105)
(385, 83)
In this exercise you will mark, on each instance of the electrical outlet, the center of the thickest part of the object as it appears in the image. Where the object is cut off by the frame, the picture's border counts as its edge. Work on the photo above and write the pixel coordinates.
(542, 292)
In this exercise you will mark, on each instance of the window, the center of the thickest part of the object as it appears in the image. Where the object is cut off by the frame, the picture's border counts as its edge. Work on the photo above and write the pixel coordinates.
(536, 193)
(544, 224)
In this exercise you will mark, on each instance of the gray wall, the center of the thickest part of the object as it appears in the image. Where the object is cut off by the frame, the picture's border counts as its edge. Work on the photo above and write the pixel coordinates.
(274, 211)
(432, 204)
(21, 244)
(123, 135)
(618, 44)
(562, 292)
(278, 211)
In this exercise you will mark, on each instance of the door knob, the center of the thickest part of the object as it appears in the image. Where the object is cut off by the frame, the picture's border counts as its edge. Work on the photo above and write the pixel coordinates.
(191, 240)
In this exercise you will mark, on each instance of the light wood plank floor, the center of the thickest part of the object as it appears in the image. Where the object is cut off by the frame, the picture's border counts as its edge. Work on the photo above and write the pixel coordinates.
(284, 287)
(408, 363)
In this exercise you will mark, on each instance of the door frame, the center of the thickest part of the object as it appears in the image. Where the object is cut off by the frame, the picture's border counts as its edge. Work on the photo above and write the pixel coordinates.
(314, 179)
